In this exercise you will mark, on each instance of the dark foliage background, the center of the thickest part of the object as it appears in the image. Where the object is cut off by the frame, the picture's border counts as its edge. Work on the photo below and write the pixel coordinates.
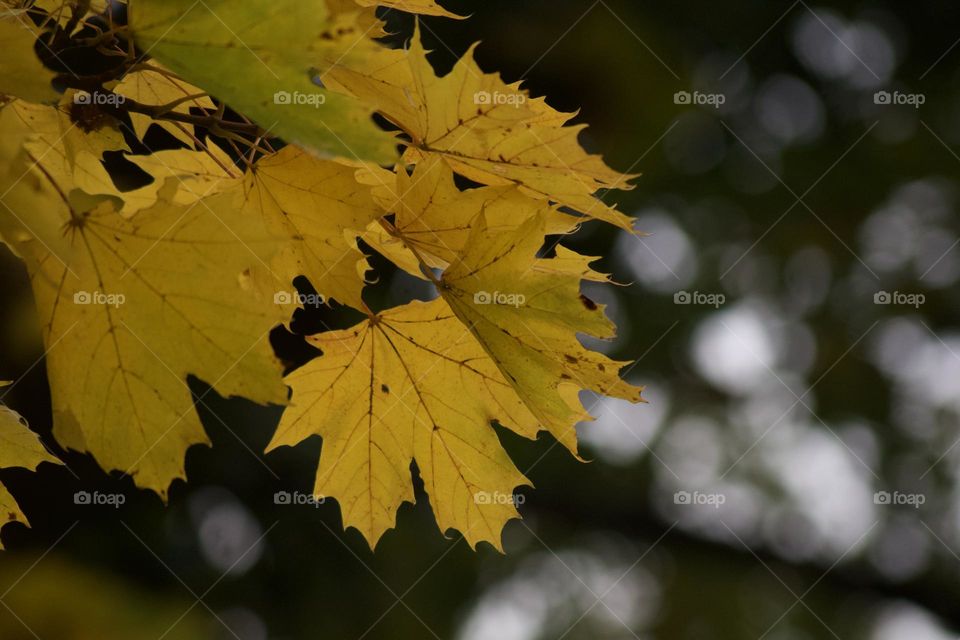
(799, 199)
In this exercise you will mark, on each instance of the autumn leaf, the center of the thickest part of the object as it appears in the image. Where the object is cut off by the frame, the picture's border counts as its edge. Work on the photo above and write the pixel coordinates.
(134, 306)
(380, 393)
(273, 79)
(487, 130)
(319, 208)
(19, 447)
(21, 72)
(379, 397)
(526, 312)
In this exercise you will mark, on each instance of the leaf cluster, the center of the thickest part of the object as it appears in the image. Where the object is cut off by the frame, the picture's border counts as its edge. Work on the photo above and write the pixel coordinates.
(271, 137)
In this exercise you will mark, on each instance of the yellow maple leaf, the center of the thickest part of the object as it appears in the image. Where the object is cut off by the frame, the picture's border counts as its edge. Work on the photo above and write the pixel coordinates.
(526, 312)
(138, 306)
(487, 130)
(377, 398)
(19, 447)
(319, 208)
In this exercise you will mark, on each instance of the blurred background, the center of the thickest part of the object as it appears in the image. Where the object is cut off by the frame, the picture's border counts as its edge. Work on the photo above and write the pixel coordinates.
(793, 313)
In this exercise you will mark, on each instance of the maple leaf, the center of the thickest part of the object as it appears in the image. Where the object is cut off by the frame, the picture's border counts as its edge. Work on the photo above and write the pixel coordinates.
(144, 304)
(21, 72)
(273, 77)
(19, 447)
(379, 398)
(489, 131)
(380, 393)
(526, 312)
(433, 217)
(133, 306)
(319, 208)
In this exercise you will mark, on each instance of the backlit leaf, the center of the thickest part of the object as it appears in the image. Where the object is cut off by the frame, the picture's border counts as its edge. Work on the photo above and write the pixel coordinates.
(137, 306)
(526, 312)
(272, 79)
(487, 130)
(379, 397)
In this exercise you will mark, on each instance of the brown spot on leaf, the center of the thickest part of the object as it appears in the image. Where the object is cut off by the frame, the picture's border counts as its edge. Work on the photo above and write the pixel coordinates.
(384, 388)
(588, 303)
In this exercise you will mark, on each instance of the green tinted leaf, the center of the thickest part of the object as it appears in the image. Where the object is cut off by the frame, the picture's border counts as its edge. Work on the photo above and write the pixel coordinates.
(262, 58)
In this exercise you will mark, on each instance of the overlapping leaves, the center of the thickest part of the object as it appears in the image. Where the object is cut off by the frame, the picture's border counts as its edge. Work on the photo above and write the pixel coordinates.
(138, 288)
